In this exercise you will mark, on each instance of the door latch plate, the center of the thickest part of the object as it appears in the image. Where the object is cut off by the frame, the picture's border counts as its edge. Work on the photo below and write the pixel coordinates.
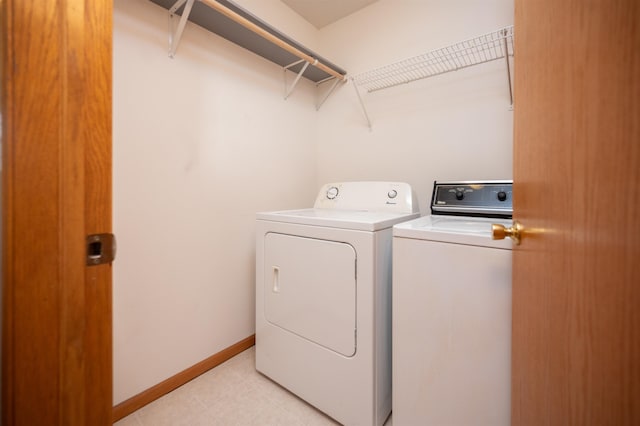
(101, 249)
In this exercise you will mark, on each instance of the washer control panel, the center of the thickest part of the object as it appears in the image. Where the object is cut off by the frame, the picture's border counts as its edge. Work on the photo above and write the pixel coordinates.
(473, 198)
(367, 196)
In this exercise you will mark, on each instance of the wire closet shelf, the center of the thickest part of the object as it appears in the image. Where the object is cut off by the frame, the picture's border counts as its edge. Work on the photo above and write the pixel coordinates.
(478, 50)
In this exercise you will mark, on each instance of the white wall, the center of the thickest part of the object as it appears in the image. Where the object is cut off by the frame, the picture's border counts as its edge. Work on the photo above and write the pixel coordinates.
(201, 143)
(453, 126)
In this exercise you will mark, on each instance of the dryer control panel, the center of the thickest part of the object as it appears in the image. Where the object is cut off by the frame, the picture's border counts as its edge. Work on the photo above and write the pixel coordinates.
(396, 197)
(473, 198)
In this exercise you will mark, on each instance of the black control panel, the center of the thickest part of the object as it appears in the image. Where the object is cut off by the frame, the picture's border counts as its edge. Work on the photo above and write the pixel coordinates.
(471, 198)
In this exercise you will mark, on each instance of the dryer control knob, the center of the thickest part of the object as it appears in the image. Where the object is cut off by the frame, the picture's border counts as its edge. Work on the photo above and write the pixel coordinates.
(502, 196)
(459, 195)
(332, 193)
(392, 194)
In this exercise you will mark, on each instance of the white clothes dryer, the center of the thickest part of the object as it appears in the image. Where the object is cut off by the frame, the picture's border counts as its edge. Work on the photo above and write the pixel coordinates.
(323, 298)
(452, 310)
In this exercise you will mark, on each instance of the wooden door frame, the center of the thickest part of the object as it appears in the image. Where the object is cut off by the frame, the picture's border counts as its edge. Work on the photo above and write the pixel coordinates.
(56, 189)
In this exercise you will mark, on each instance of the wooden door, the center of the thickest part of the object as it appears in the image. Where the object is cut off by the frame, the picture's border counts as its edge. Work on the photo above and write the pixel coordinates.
(56, 189)
(576, 288)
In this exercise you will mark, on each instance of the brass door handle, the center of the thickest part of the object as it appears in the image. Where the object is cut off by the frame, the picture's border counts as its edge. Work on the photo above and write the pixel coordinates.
(499, 232)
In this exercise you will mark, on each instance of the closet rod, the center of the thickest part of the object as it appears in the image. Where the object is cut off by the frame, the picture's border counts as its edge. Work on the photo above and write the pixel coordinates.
(273, 39)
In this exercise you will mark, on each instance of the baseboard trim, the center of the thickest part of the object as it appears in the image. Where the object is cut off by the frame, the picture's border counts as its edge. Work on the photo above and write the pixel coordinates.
(140, 400)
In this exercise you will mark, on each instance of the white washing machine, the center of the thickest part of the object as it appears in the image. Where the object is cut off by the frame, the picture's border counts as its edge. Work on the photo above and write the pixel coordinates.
(323, 290)
(452, 310)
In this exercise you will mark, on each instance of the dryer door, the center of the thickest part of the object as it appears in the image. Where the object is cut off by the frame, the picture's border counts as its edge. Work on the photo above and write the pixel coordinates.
(310, 289)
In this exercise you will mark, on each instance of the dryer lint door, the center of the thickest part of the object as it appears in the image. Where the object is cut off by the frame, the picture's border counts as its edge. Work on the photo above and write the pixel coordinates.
(310, 289)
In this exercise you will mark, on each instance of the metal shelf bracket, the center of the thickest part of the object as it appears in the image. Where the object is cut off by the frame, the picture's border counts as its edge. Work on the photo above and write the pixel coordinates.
(329, 92)
(287, 91)
(175, 36)
(506, 33)
(364, 110)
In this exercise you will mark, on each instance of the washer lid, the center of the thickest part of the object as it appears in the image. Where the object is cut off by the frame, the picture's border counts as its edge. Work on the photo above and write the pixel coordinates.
(453, 229)
(345, 219)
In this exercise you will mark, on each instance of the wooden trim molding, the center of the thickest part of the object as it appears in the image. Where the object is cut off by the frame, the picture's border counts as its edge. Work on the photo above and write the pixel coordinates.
(138, 401)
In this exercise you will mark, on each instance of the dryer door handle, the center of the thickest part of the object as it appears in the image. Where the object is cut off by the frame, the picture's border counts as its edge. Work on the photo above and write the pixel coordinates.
(276, 279)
